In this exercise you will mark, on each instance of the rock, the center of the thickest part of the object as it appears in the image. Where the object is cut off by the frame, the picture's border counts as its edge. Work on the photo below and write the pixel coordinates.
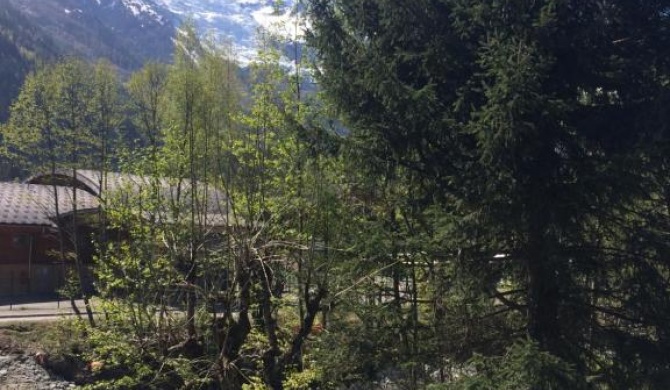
(25, 372)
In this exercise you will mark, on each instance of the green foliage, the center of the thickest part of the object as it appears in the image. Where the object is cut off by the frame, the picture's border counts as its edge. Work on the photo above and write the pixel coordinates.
(66, 116)
(494, 217)
(282, 212)
(71, 288)
(523, 366)
(127, 359)
(120, 359)
(519, 136)
(305, 380)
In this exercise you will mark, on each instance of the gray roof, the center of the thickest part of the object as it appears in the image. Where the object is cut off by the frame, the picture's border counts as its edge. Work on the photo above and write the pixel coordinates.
(214, 203)
(90, 180)
(33, 204)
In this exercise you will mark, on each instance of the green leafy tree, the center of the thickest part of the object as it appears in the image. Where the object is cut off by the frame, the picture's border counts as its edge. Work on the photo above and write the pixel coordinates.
(63, 119)
(286, 186)
(174, 246)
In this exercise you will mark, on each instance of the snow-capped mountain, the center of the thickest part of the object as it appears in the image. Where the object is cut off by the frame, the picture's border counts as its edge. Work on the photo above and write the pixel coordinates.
(143, 9)
(235, 21)
(131, 32)
(127, 32)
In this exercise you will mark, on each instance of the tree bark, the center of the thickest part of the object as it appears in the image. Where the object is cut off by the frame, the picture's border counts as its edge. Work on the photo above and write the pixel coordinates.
(543, 295)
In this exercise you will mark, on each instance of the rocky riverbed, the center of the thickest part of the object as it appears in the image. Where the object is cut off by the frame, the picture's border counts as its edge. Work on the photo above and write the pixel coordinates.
(21, 372)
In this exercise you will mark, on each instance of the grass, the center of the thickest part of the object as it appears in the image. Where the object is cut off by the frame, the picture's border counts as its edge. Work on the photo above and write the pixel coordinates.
(30, 337)
(27, 337)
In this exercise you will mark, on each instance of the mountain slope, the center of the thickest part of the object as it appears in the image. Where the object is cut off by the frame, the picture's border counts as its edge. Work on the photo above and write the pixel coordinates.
(21, 44)
(127, 32)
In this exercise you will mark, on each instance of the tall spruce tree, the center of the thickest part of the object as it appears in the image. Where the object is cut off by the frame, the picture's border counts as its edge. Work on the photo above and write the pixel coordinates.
(535, 128)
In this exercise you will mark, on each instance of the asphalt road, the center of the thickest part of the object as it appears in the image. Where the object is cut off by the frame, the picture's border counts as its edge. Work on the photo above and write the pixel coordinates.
(32, 310)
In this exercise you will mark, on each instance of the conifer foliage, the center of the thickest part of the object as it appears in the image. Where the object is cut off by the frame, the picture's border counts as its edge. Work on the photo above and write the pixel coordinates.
(537, 130)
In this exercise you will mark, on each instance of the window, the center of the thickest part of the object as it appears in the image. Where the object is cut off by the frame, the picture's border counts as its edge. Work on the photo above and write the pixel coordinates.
(21, 240)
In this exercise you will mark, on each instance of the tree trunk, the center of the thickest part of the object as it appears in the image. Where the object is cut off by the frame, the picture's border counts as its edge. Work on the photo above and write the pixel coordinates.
(543, 295)
(235, 335)
(294, 355)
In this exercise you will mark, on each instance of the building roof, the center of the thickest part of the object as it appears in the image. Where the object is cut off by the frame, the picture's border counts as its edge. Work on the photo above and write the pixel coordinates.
(33, 204)
(212, 203)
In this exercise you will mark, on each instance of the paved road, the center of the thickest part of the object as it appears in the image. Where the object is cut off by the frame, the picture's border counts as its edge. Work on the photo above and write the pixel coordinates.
(31, 310)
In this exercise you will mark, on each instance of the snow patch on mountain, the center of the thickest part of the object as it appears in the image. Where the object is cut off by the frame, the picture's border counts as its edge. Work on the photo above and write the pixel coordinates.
(285, 24)
(236, 22)
(143, 8)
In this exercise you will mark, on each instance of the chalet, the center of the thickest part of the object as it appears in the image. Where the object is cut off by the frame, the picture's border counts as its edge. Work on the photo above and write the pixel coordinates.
(213, 206)
(30, 240)
(38, 215)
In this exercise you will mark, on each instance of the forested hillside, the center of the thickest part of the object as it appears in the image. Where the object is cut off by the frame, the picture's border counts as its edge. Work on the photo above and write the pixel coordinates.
(34, 32)
(21, 45)
(102, 29)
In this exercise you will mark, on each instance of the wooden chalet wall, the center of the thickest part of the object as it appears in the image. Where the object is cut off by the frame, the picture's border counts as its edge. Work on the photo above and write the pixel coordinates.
(28, 261)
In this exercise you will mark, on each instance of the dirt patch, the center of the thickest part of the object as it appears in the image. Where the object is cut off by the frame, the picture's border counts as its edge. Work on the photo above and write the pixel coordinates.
(8, 345)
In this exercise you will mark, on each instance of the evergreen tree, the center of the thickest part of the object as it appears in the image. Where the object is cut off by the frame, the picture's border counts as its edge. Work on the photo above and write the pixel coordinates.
(530, 127)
